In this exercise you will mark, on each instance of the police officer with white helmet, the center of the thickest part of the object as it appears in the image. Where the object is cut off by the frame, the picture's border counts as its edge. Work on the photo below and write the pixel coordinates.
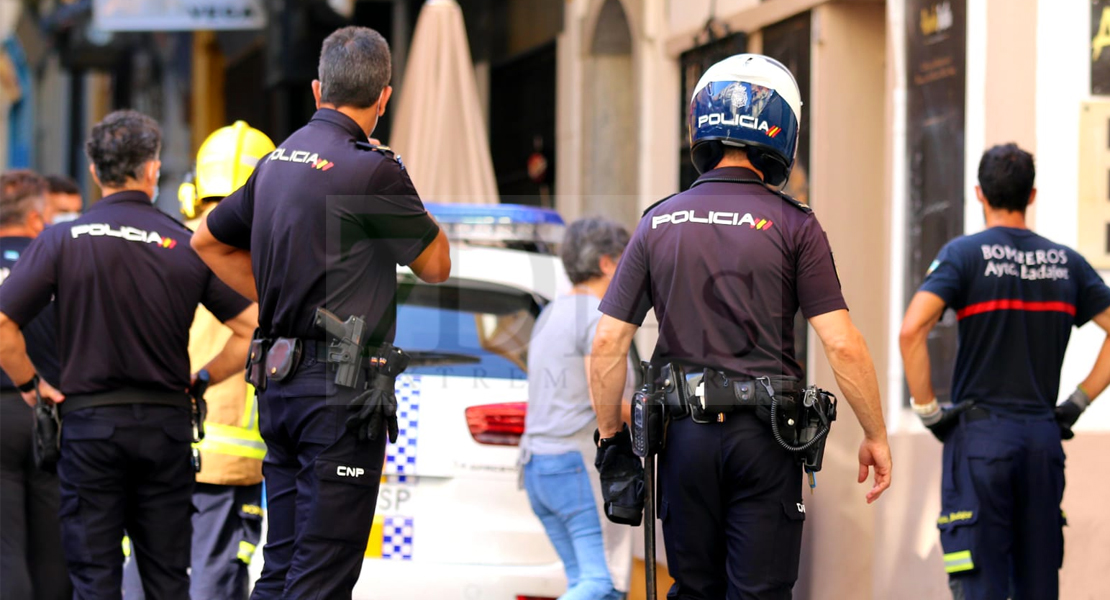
(726, 265)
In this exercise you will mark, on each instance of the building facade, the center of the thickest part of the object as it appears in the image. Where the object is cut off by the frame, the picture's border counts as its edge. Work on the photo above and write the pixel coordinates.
(901, 99)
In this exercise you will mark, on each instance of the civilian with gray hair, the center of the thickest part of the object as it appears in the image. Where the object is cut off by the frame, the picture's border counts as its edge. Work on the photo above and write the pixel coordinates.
(31, 562)
(596, 554)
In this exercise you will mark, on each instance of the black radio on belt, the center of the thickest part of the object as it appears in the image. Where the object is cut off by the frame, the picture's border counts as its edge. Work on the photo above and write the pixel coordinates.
(648, 422)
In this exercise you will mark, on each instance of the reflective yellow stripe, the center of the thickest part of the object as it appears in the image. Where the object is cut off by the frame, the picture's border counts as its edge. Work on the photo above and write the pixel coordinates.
(246, 550)
(250, 412)
(377, 534)
(955, 562)
(233, 441)
(126, 546)
(252, 509)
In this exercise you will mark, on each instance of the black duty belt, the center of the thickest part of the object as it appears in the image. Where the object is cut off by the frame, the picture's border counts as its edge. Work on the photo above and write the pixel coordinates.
(706, 393)
(976, 413)
(124, 396)
(316, 349)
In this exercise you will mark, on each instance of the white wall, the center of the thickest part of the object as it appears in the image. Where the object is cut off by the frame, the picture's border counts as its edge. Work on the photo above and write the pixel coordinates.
(1063, 57)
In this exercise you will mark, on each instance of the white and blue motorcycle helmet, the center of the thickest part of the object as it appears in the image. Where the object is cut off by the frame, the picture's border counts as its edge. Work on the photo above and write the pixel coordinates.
(747, 101)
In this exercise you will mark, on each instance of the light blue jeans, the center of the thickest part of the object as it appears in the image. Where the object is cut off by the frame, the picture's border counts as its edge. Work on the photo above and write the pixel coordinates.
(558, 487)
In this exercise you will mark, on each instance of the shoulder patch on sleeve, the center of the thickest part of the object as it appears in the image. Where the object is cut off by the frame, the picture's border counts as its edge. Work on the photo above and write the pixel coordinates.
(792, 202)
(384, 150)
(649, 209)
(177, 222)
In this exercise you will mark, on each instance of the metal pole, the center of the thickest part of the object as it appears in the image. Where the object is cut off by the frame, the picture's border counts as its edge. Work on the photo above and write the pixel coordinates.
(649, 525)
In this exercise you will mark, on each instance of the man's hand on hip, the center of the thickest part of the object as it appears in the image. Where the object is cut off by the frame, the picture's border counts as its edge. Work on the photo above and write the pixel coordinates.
(1068, 411)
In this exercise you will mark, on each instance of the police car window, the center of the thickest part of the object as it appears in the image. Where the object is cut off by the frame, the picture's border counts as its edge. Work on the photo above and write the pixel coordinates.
(466, 329)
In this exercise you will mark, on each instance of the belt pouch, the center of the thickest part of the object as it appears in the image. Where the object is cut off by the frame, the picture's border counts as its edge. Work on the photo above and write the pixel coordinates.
(282, 358)
(256, 375)
(717, 394)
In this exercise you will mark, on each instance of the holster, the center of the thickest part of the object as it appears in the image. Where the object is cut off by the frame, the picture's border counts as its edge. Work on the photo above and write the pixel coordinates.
(256, 372)
(47, 436)
(282, 358)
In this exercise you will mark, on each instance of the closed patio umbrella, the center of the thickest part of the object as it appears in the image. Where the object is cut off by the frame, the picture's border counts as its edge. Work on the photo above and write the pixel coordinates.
(440, 130)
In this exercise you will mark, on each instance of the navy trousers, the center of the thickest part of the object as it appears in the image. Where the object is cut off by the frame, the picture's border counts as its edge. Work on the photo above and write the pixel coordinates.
(227, 526)
(1000, 523)
(31, 562)
(732, 510)
(321, 488)
(127, 468)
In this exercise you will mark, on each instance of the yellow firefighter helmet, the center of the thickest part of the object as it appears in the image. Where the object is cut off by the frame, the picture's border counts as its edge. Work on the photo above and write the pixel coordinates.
(224, 162)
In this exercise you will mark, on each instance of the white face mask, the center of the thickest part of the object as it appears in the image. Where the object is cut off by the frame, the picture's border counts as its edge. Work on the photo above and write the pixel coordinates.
(65, 217)
(154, 196)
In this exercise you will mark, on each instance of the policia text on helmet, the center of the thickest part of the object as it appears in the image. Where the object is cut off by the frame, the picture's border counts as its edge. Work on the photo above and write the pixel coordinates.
(747, 101)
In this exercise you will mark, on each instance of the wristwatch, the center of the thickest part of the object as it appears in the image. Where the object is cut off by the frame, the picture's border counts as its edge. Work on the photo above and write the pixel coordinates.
(30, 386)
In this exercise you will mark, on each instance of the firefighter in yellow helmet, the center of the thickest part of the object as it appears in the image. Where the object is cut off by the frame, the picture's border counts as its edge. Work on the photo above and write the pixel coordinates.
(228, 523)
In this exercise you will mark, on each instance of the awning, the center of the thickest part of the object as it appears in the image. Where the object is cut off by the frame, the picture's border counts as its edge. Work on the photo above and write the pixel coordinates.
(440, 131)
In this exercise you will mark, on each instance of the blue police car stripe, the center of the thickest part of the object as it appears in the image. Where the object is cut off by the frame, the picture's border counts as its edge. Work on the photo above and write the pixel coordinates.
(397, 538)
(400, 458)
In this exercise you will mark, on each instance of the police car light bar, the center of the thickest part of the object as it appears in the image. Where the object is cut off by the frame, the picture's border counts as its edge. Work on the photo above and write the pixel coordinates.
(510, 224)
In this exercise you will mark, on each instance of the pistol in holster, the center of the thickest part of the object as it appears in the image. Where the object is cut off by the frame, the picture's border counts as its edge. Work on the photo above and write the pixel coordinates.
(199, 413)
(345, 349)
(47, 448)
(649, 420)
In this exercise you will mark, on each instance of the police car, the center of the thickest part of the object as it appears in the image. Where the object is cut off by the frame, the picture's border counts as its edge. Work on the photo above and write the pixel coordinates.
(452, 520)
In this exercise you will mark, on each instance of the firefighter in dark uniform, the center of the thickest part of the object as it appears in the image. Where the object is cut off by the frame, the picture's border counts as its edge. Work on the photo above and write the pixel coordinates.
(125, 284)
(323, 223)
(31, 561)
(1016, 296)
(726, 265)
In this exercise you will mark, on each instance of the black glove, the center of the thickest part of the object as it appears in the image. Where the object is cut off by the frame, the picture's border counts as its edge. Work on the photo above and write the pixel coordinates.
(377, 406)
(944, 420)
(622, 478)
(1068, 411)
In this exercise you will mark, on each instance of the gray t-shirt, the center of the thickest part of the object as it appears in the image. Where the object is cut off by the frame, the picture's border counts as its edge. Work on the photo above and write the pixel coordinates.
(558, 397)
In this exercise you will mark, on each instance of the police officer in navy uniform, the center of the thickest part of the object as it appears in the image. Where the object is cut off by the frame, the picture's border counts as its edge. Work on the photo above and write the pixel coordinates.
(323, 223)
(1016, 296)
(125, 284)
(726, 265)
(31, 561)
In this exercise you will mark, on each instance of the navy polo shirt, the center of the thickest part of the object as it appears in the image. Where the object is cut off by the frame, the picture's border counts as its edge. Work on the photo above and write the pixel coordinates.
(1017, 296)
(126, 285)
(327, 218)
(726, 267)
(39, 333)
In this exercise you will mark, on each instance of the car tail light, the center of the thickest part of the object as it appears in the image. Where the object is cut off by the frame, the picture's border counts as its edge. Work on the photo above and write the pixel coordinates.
(497, 424)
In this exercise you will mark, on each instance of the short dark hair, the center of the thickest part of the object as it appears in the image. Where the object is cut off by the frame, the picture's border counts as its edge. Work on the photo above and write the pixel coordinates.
(585, 242)
(355, 66)
(62, 184)
(1006, 175)
(121, 144)
(21, 191)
